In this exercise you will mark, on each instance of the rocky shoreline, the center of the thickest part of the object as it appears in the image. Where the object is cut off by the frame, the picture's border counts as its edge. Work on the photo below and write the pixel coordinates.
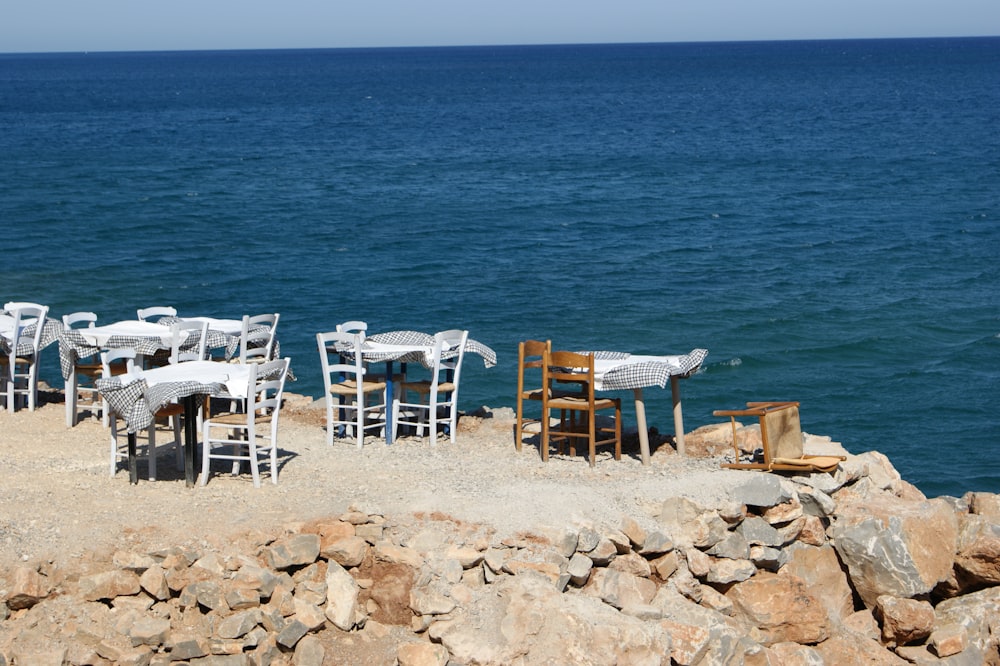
(852, 567)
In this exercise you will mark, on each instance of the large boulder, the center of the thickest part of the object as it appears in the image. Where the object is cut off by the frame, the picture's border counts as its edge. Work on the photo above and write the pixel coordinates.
(893, 546)
(782, 608)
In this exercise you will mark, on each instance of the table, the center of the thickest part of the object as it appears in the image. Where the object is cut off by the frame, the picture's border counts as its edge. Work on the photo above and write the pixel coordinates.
(409, 347)
(145, 337)
(621, 370)
(138, 396)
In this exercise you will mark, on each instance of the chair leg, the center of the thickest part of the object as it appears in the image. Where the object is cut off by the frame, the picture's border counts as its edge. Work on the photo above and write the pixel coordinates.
(114, 445)
(359, 412)
(519, 433)
(206, 449)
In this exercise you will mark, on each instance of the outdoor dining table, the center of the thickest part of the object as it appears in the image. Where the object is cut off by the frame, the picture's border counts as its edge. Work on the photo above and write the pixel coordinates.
(409, 347)
(145, 337)
(622, 371)
(138, 396)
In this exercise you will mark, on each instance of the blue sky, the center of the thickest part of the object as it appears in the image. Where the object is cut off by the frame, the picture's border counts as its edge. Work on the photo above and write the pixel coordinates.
(128, 25)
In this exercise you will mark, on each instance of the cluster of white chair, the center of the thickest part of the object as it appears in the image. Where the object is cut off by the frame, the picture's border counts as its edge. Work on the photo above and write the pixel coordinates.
(357, 400)
(243, 418)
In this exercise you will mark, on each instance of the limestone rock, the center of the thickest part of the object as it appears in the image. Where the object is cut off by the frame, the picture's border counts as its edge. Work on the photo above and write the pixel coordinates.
(895, 547)
(293, 551)
(782, 608)
(341, 597)
(689, 524)
(109, 584)
(978, 556)
(904, 621)
(28, 587)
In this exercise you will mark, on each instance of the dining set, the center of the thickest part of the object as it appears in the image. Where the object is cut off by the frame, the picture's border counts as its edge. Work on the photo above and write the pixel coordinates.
(219, 382)
(363, 396)
(161, 366)
(572, 388)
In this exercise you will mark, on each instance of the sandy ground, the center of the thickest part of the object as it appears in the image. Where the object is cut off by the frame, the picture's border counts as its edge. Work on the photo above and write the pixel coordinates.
(58, 501)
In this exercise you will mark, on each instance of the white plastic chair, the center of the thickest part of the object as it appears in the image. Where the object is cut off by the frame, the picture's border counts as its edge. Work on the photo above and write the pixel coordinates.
(20, 371)
(156, 312)
(182, 332)
(258, 347)
(440, 391)
(115, 362)
(347, 390)
(258, 422)
(80, 382)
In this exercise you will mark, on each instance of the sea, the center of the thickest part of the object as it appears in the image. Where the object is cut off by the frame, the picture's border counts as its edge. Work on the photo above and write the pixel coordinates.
(822, 216)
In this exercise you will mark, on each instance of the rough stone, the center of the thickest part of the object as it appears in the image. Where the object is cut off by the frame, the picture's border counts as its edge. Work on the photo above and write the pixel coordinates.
(904, 621)
(782, 608)
(295, 550)
(27, 588)
(341, 597)
(895, 547)
(109, 584)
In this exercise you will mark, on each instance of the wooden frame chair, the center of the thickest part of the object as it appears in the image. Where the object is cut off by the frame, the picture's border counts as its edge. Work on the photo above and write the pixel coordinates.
(781, 437)
(563, 367)
(530, 355)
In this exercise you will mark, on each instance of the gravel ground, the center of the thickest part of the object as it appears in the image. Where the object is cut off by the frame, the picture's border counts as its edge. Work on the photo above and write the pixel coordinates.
(57, 500)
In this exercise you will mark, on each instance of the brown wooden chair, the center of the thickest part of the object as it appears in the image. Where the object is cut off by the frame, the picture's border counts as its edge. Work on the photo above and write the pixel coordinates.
(530, 355)
(560, 368)
(781, 436)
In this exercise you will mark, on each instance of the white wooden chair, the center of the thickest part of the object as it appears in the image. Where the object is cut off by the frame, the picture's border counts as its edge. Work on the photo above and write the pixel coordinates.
(80, 383)
(116, 362)
(347, 389)
(258, 346)
(255, 426)
(156, 312)
(20, 370)
(181, 347)
(440, 391)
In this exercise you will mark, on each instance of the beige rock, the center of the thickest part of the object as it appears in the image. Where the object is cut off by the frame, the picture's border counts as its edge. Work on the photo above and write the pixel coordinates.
(820, 571)
(421, 654)
(782, 608)
(904, 621)
(978, 556)
(347, 552)
(295, 550)
(27, 588)
(891, 546)
(109, 584)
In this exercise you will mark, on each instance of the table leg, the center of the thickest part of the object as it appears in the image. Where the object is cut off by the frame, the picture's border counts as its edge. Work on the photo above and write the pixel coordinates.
(640, 418)
(133, 464)
(389, 400)
(675, 394)
(190, 437)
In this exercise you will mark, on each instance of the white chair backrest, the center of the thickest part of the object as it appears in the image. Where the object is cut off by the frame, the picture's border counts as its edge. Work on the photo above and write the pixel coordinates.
(182, 337)
(328, 343)
(449, 350)
(26, 314)
(154, 313)
(71, 320)
(353, 327)
(121, 353)
(258, 345)
(266, 384)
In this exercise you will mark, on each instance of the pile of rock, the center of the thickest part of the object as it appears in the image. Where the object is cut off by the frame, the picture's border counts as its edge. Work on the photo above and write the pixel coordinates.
(853, 567)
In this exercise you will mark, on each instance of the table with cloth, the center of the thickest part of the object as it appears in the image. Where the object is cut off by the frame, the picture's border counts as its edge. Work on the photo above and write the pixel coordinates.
(409, 347)
(50, 333)
(622, 371)
(146, 338)
(136, 397)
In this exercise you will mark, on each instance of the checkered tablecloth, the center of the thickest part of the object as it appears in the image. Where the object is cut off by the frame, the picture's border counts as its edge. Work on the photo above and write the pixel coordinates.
(418, 339)
(132, 398)
(649, 372)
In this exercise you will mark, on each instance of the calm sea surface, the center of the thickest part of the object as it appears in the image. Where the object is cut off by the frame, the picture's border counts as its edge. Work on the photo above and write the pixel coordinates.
(823, 217)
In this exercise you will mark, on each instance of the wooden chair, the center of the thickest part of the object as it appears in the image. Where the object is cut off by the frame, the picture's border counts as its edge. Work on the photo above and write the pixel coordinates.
(80, 383)
(781, 436)
(348, 381)
(530, 355)
(440, 390)
(562, 368)
(156, 312)
(20, 370)
(255, 426)
(256, 343)
(119, 361)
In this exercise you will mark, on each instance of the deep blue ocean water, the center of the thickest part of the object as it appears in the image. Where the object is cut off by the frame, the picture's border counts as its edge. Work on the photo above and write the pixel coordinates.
(823, 217)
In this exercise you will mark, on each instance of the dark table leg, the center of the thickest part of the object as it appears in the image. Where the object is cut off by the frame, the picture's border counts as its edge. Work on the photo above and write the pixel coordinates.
(190, 437)
(133, 466)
